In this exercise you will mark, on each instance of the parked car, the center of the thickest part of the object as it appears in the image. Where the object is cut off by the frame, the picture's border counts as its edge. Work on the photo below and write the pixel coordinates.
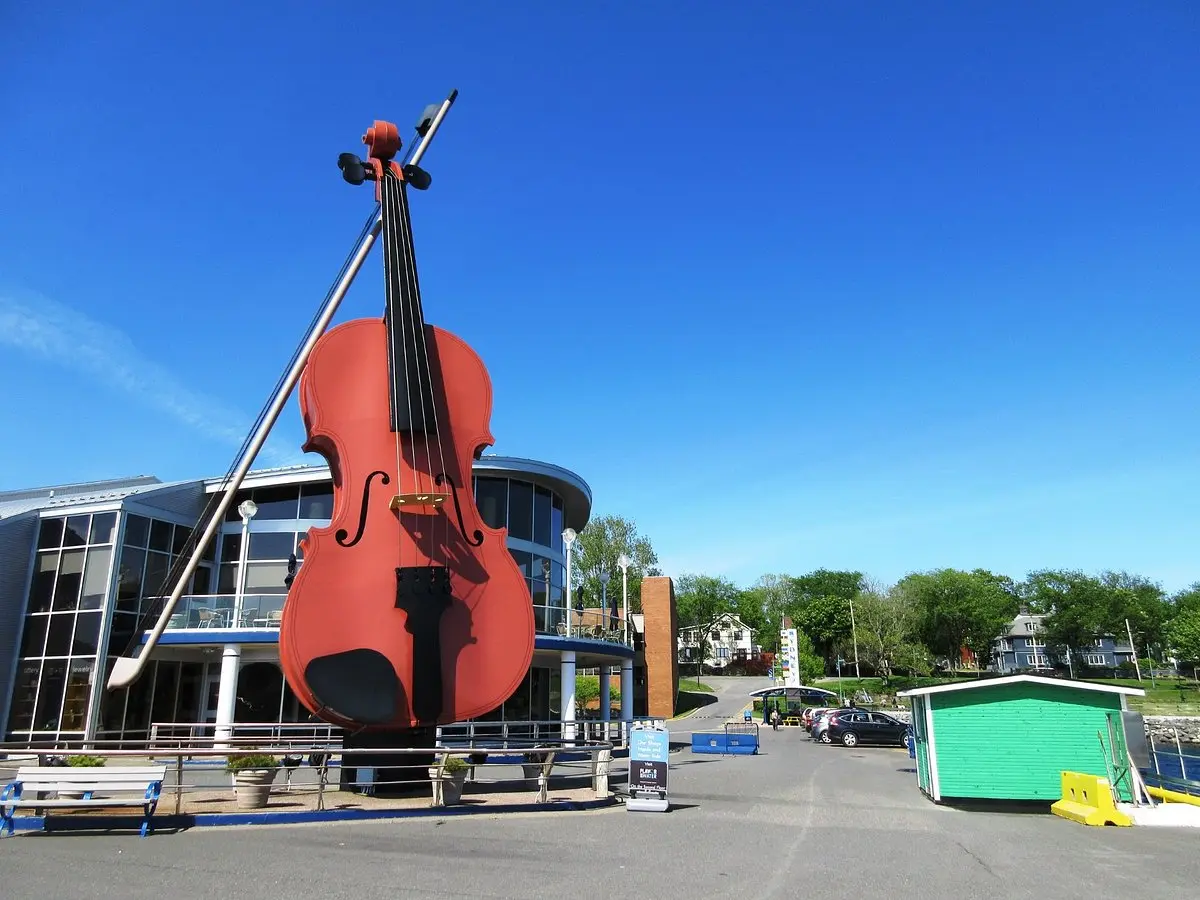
(820, 724)
(810, 715)
(852, 727)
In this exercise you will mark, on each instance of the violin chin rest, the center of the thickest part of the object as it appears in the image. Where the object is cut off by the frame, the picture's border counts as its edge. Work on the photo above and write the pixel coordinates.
(358, 685)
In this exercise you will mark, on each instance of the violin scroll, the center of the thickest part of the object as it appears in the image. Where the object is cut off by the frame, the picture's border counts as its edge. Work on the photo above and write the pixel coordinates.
(384, 142)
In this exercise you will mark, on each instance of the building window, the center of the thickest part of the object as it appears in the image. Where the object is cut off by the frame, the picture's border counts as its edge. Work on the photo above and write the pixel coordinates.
(520, 510)
(1005, 645)
(1034, 642)
(1096, 659)
(1035, 660)
(491, 498)
(61, 628)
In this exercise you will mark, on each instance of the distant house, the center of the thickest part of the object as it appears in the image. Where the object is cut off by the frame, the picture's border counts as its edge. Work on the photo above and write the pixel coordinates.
(1023, 649)
(727, 639)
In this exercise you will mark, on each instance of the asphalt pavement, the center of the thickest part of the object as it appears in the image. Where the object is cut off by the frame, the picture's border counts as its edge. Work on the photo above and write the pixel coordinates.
(800, 819)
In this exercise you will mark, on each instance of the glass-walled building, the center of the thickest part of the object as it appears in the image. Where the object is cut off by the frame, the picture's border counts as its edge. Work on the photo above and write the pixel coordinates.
(82, 573)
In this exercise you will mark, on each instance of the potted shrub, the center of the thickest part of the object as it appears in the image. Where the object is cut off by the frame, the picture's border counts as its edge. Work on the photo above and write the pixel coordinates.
(80, 761)
(252, 777)
(449, 787)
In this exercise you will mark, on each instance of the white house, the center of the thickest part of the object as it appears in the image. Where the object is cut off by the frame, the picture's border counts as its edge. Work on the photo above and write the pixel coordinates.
(727, 639)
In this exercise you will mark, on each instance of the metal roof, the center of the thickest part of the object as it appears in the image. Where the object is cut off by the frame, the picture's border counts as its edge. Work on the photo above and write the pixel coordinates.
(15, 502)
(983, 683)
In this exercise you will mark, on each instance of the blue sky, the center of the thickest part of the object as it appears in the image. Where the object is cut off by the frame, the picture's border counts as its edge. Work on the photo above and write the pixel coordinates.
(874, 286)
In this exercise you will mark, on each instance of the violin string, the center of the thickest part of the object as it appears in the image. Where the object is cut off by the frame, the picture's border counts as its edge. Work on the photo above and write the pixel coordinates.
(415, 286)
(389, 191)
(414, 321)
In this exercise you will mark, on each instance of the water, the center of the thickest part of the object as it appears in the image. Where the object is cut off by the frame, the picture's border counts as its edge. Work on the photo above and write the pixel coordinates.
(1172, 766)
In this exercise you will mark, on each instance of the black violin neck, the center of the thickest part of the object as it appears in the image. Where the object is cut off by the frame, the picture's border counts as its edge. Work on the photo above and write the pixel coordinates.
(409, 368)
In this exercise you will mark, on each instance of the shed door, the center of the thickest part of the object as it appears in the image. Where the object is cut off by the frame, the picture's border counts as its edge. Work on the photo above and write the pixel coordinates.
(921, 741)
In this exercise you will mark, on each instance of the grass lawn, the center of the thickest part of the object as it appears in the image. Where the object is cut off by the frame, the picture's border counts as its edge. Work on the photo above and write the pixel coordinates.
(695, 687)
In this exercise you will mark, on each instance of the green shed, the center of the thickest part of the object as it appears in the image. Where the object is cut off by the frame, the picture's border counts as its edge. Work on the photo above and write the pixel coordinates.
(1012, 738)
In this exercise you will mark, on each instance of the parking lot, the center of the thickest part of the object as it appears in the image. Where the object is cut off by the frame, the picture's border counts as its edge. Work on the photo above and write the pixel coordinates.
(800, 819)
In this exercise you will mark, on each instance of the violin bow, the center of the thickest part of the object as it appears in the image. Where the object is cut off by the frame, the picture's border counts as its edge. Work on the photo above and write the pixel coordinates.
(127, 669)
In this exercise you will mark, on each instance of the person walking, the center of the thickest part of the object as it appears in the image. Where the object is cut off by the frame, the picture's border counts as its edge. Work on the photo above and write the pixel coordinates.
(775, 719)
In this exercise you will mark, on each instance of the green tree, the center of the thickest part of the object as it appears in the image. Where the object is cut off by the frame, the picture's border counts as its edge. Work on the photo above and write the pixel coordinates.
(812, 666)
(597, 550)
(819, 605)
(762, 606)
(1184, 636)
(957, 609)
(886, 622)
(701, 598)
(1186, 600)
(1080, 608)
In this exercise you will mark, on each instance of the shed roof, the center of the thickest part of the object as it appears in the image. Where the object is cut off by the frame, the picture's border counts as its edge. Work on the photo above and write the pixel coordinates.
(1020, 679)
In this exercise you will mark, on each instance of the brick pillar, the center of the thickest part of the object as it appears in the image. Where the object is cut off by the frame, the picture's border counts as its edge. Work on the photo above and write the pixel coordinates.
(662, 655)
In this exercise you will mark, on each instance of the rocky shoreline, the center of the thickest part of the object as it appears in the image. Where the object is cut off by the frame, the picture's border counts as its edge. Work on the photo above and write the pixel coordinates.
(1161, 729)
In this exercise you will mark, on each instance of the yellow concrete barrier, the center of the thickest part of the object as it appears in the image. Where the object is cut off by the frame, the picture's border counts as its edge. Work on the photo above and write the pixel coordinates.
(1088, 799)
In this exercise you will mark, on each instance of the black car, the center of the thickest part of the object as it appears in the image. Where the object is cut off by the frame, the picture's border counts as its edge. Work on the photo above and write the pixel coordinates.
(852, 727)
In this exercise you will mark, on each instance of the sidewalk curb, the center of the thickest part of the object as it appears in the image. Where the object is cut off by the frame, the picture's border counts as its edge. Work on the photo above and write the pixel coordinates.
(212, 820)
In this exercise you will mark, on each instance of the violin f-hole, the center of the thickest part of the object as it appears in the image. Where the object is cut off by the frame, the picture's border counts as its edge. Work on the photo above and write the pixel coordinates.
(340, 535)
(476, 538)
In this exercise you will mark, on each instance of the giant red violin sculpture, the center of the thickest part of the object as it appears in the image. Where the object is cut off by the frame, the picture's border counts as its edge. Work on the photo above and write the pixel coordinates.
(408, 609)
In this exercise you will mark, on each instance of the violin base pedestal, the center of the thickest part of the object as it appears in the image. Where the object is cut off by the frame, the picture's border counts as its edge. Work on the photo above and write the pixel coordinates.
(366, 770)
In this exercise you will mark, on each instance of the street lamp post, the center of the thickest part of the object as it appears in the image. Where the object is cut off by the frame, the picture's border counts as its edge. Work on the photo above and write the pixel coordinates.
(231, 654)
(623, 565)
(568, 537)
(854, 637)
(604, 576)
(247, 509)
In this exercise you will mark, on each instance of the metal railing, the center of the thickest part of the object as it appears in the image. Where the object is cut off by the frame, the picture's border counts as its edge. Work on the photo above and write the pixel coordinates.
(313, 769)
(266, 611)
(221, 611)
(1175, 769)
(503, 735)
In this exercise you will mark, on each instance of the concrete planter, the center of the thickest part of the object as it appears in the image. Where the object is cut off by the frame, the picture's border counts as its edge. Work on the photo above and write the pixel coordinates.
(253, 787)
(447, 790)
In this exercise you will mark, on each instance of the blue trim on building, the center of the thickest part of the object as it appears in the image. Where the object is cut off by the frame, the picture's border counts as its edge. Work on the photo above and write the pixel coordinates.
(582, 645)
(173, 822)
(218, 636)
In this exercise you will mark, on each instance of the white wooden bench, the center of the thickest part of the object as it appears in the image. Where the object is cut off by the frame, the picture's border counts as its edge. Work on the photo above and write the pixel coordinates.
(78, 787)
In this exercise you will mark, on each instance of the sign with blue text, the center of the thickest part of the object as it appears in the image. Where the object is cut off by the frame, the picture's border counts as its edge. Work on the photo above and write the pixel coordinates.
(789, 652)
(649, 746)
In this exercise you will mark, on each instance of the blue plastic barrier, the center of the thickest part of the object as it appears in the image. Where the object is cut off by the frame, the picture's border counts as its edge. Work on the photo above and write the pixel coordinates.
(912, 746)
(720, 743)
(746, 744)
(709, 742)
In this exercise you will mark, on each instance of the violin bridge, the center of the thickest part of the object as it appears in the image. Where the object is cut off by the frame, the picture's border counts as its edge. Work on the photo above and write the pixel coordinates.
(425, 503)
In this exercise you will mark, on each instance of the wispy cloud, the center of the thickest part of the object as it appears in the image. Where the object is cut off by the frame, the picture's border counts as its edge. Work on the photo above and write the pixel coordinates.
(65, 337)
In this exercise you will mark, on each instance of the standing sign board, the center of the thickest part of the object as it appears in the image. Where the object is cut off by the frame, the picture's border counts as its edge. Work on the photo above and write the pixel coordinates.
(790, 653)
(649, 746)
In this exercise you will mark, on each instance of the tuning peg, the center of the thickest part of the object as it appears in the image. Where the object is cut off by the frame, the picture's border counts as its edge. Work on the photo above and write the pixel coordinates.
(354, 170)
(417, 177)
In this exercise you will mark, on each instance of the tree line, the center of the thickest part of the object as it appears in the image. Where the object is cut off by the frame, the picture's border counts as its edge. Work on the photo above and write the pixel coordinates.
(921, 622)
(926, 619)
